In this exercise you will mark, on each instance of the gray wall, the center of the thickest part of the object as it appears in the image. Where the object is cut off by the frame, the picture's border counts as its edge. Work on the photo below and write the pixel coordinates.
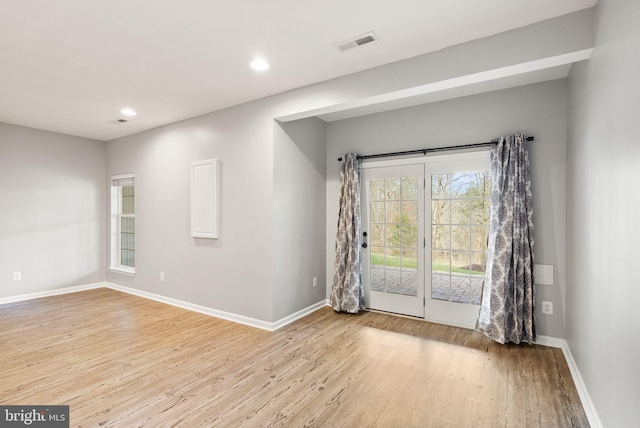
(603, 189)
(53, 210)
(299, 215)
(233, 273)
(539, 110)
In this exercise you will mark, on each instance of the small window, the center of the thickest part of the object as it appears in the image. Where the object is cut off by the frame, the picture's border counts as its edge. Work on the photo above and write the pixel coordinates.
(123, 224)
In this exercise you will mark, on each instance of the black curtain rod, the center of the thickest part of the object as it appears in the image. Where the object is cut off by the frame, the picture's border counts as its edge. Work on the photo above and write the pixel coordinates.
(425, 151)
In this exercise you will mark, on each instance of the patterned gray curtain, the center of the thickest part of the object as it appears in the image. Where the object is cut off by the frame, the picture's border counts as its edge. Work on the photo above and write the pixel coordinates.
(347, 294)
(506, 309)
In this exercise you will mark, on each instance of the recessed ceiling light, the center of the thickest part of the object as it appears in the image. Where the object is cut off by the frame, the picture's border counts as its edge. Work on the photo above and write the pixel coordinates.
(259, 65)
(128, 112)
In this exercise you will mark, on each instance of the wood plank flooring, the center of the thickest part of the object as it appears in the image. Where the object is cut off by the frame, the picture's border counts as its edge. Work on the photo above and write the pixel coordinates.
(123, 361)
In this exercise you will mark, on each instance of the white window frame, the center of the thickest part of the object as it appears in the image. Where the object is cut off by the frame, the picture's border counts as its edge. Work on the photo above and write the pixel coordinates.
(116, 215)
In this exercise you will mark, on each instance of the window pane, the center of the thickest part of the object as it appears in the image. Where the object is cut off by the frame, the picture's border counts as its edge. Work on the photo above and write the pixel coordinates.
(441, 261)
(393, 280)
(479, 260)
(479, 236)
(377, 189)
(478, 263)
(409, 259)
(461, 261)
(441, 237)
(377, 234)
(128, 200)
(393, 212)
(440, 186)
(410, 188)
(460, 184)
(460, 210)
(127, 224)
(440, 212)
(481, 185)
(440, 286)
(377, 268)
(410, 235)
(377, 212)
(409, 282)
(410, 212)
(377, 256)
(393, 188)
(460, 288)
(127, 258)
(460, 238)
(480, 211)
(127, 241)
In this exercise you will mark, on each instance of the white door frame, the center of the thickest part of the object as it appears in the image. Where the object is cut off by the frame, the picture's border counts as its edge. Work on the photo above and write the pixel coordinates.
(442, 312)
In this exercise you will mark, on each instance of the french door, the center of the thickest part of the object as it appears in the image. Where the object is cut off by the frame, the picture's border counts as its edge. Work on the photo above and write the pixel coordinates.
(393, 239)
(424, 230)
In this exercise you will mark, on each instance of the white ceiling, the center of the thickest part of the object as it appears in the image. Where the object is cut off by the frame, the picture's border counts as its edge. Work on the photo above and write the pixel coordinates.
(70, 66)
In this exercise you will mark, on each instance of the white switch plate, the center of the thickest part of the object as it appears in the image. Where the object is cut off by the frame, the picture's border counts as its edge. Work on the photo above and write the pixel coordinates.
(547, 308)
(315, 281)
(161, 276)
(17, 276)
(543, 274)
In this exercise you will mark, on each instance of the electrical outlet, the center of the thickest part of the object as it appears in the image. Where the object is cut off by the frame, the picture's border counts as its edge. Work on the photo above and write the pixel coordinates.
(315, 281)
(161, 276)
(17, 276)
(547, 308)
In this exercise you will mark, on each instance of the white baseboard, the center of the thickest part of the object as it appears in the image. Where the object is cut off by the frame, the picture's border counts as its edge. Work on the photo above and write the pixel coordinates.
(551, 342)
(587, 403)
(241, 319)
(48, 293)
(301, 313)
(585, 398)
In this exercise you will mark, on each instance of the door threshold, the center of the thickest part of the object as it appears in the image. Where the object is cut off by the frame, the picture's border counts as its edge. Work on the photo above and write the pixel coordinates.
(411, 317)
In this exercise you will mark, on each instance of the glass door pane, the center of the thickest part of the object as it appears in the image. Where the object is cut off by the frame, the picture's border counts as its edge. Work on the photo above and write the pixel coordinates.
(393, 209)
(460, 218)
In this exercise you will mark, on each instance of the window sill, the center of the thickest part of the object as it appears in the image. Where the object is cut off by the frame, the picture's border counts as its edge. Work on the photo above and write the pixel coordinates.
(123, 270)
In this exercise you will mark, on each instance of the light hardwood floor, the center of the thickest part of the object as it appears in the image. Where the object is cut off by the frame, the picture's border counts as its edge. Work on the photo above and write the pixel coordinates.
(123, 361)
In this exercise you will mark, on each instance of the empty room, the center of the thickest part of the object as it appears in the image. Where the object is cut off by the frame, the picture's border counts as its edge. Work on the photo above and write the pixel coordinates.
(319, 214)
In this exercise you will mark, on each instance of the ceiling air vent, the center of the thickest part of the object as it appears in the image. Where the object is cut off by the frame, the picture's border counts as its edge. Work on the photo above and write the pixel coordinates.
(118, 121)
(357, 41)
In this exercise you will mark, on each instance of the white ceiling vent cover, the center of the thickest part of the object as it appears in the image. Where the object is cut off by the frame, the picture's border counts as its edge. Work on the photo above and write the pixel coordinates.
(357, 41)
(118, 121)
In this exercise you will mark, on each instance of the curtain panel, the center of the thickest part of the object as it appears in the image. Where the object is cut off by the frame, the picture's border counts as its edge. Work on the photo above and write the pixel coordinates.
(347, 294)
(508, 294)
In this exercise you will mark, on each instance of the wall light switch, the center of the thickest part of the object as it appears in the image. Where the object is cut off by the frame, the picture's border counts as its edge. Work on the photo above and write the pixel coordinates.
(17, 276)
(543, 274)
(161, 276)
(315, 281)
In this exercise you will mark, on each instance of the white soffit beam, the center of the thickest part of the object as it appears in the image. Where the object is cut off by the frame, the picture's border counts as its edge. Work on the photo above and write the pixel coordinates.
(556, 67)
